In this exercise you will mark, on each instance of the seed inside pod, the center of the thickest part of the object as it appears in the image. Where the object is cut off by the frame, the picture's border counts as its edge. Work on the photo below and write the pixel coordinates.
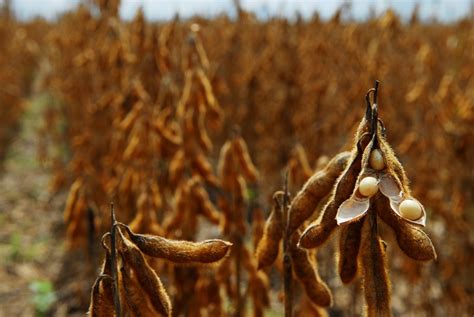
(410, 209)
(376, 160)
(368, 186)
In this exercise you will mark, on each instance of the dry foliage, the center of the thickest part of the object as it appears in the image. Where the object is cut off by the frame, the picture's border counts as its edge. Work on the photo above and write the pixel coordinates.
(145, 115)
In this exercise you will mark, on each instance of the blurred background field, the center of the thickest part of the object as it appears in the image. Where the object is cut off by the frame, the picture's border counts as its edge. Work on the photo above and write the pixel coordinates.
(98, 104)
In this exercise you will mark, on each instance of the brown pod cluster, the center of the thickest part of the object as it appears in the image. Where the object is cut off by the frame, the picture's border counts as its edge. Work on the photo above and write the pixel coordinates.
(134, 261)
(373, 185)
(137, 289)
(318, 232)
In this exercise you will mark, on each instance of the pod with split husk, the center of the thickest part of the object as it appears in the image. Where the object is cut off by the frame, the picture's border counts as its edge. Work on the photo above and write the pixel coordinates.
(319, 231)
(412, 240)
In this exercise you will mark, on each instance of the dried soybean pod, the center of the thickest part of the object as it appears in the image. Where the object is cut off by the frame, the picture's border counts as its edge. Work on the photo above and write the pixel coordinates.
(301, 157)
(315, 189)
(243, 158)
(207, 87)
(204, 168)
(186, 92)
(349, 245)
(176, 167)
(306, 308)
(225, 166)
(102, 303)
(206, 207)
(258, 288)
(412, 241)
(318, 232)
(107, 266)
(304, 267)
(180, 207)
(202, 137)
(132, 295)
(72, 199)
(207, 251)
(146, 277)
(373, 262)
(268, 246)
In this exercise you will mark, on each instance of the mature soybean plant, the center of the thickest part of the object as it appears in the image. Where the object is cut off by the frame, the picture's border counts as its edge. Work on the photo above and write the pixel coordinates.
(367, 184)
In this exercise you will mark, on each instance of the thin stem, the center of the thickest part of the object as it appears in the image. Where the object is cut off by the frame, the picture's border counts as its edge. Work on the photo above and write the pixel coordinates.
(237, 241)
(287, 265)
(113, 262)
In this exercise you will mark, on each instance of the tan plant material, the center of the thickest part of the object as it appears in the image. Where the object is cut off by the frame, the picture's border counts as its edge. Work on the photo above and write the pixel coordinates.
(315, 189)
(349, 245)
(102, 302)
(305, 269)
(268, 247)
(137, 289)
(374, 265)
(207, 251)
(145, 276)
(318, 232)
(242, 155)
(412, 240)
(373, 185)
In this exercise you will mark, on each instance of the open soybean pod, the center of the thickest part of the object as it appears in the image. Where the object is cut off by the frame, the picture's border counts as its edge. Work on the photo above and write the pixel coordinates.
(207, 251)
(318, 232)
(373, 263)
(305, 269)
(412, 240)
(268, 247)
(315, 189)
(145, 275)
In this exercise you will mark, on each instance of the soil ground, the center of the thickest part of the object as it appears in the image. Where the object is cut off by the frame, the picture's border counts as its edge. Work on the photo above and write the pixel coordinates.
(31, 225)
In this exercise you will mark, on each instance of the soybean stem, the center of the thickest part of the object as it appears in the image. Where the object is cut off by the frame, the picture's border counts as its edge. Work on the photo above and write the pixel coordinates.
(287, 265)
(113, 262)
